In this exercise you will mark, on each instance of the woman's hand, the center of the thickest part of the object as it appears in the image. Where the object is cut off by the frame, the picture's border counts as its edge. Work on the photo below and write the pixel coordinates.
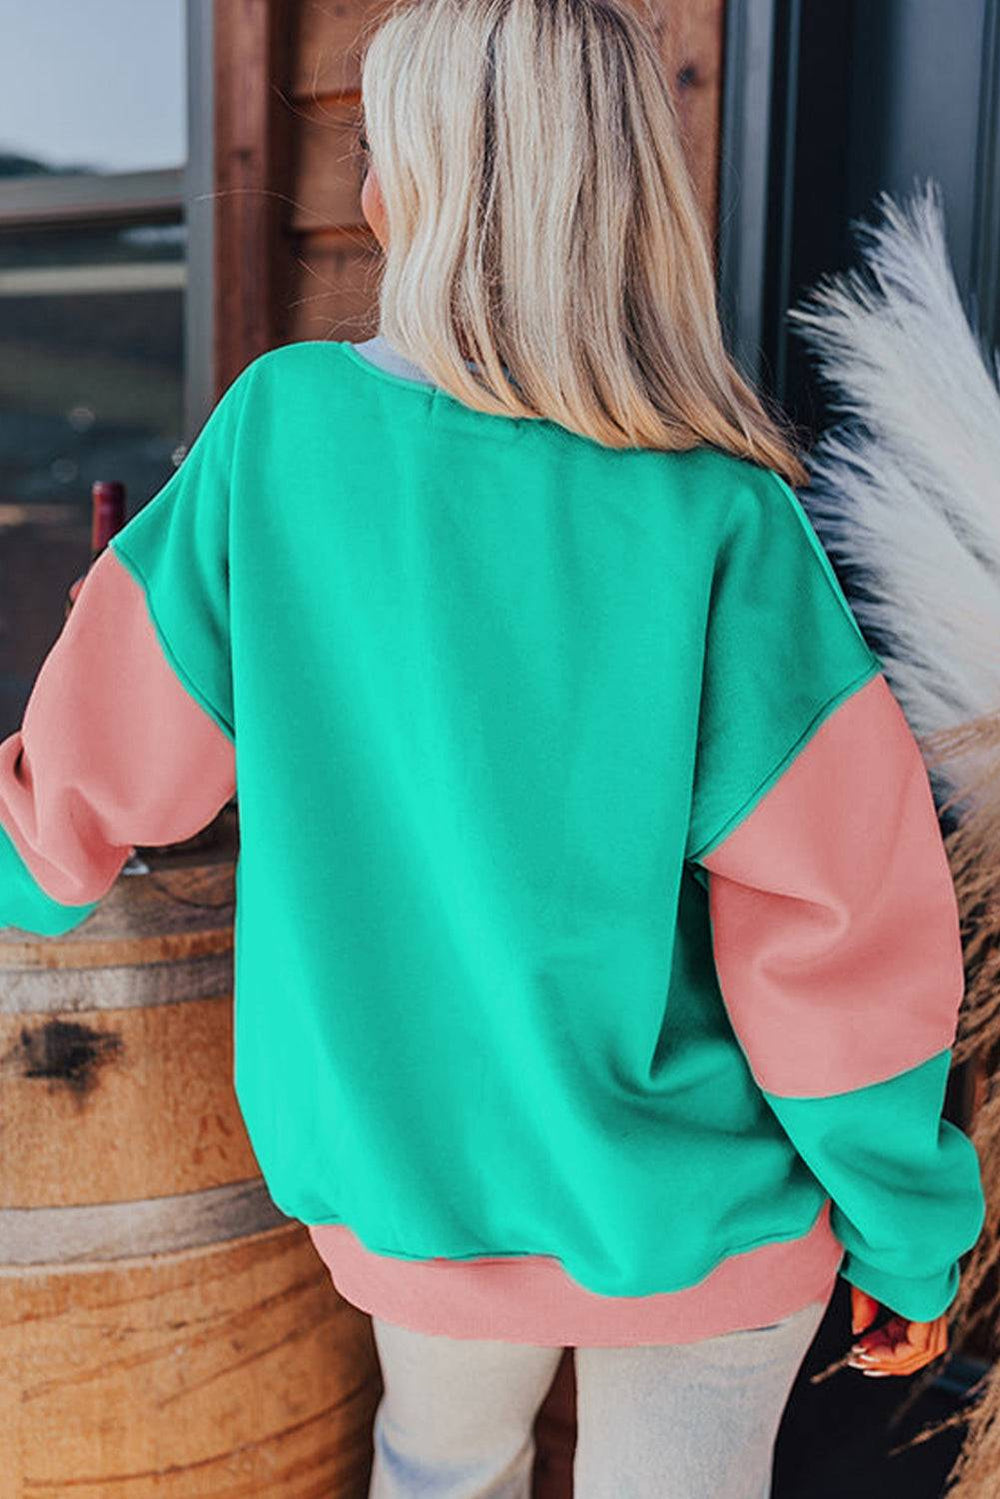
(898, 1347)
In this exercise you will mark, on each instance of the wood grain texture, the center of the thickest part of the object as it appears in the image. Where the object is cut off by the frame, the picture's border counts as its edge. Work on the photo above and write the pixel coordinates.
(326, 43)
(233, 1371)
(333, 290)
(328, 166)
(322, 108)
(251, 160)
(691, 43)
(113, 1088)
(164, 1328)
(120, 1104)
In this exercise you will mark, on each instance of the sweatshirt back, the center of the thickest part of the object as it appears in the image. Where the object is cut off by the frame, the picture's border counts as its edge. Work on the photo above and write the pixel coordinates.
(597, 961)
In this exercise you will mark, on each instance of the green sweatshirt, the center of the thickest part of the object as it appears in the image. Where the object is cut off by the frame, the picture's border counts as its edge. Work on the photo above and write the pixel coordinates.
(591, 906)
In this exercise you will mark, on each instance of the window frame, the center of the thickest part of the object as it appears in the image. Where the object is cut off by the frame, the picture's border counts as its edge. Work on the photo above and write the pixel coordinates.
(165, 194)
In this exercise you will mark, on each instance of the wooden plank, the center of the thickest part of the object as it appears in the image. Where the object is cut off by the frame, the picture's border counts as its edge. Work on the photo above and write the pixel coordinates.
(691, 43)
(325, 81)
(327, 262)
(327, 168)
(251, 160)
(333, 290)
(326, 45)
(234, 1370)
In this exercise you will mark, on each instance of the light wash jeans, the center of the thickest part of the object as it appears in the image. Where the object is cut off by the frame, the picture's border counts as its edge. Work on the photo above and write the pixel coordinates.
(678, 1421)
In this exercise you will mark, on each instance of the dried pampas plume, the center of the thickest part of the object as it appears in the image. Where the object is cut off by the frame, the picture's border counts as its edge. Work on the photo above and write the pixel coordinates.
(904, 491)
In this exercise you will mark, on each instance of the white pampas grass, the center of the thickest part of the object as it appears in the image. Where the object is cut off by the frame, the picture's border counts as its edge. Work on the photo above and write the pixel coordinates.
(905, 488)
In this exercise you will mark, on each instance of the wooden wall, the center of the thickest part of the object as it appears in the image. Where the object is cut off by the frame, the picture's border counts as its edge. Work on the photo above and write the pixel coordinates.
(294, 256)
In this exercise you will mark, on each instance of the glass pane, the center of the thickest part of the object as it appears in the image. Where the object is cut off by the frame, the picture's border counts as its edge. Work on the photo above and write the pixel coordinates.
(91, 367)
(95, 88)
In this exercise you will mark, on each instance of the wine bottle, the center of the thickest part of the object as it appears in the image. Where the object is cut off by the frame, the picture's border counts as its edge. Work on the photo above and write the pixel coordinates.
(107, 500)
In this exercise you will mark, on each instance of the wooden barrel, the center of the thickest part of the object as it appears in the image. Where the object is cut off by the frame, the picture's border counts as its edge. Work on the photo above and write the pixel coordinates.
(164, 1328)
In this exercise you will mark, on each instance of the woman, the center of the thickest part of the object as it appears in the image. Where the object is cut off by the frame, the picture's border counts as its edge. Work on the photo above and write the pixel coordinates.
(597, 957)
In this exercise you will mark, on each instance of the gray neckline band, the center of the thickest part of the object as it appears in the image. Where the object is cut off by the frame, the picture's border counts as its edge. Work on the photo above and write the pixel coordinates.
(379, 351)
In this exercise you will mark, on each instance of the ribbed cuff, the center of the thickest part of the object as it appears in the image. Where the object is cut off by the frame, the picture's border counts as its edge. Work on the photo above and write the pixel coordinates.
(917, 1299)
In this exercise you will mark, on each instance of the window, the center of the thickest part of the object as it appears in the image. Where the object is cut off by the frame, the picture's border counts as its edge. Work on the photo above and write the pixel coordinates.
(94, 254)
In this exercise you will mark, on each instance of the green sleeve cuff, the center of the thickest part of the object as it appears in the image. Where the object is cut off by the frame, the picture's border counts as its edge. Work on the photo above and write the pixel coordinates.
(918, 1299)
(905, 1183)
(25, 905)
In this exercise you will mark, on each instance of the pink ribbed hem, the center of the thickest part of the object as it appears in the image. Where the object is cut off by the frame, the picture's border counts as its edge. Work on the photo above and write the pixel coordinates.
(531, 1299)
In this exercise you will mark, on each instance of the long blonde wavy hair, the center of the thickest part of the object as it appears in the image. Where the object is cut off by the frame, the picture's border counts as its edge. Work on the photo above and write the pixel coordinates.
(541, 222)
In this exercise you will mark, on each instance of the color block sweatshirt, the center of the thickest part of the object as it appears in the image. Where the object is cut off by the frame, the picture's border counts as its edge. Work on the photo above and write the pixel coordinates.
(597, 960)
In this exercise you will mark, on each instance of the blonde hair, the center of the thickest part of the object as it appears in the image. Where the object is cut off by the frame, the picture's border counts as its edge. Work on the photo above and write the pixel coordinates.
(541, 222)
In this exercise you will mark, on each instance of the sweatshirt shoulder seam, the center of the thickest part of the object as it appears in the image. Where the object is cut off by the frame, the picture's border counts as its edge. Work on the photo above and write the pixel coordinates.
(174, 661)
(732, 821)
